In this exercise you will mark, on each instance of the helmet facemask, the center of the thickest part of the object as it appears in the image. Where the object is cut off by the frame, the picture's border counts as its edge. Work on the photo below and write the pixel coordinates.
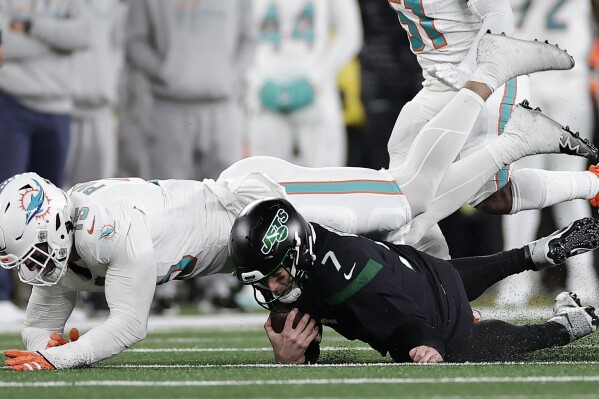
(270, 231)
(36, 233)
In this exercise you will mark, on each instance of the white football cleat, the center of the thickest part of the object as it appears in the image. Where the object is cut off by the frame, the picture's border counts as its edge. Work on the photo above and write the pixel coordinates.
(579, 321)
(501, 58)
(529, 132)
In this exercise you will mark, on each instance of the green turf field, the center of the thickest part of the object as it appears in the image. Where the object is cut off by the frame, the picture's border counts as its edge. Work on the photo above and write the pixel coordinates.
(237, 364)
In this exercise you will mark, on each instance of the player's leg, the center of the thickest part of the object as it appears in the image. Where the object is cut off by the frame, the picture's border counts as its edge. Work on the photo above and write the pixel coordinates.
(480, 273)
(441, 139)
(432, 243)
(353, 200)
(528, 132)
(270, 133)
(320, 133)
(173, 137)
(495, 340)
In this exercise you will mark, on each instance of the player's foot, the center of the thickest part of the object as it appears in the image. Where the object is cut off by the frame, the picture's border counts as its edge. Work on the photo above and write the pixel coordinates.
(577, 238)
(501, 58)
(578, 320)
(595, 200)
(564, 301)
(529, 132)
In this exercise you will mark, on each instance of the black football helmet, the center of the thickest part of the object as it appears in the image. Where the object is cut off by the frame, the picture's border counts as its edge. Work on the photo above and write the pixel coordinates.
(267, 235)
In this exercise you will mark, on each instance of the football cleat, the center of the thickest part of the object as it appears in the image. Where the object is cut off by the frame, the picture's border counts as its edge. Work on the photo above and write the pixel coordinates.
(595, 200)
(579, 321)
(534, 133)
(577, 238)
(501, 58)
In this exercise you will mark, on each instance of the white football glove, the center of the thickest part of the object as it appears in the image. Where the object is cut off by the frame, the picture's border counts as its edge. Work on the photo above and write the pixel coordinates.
(451, 75)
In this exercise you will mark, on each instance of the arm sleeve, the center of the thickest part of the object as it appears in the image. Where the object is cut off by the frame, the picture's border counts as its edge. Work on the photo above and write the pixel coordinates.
(139, 51)
(64, 34)
(496, 16)
(409, 336)
(129, 287)
(345, 43)
(47, 311)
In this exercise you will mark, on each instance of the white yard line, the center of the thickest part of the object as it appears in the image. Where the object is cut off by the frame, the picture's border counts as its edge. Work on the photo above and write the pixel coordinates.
(255, 321)
(323, 381)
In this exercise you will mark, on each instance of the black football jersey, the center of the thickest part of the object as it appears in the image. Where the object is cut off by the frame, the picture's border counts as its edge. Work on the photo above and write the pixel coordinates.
(375, 291)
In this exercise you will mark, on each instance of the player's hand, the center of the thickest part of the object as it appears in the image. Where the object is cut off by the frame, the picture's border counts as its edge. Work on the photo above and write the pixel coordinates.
(26, 361)
(57, 340)
(290, 344)
(451, 75)
(425, 354)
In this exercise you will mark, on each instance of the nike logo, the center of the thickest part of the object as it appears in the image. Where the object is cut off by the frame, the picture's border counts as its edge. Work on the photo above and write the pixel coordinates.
(348, 275)
(91, 230)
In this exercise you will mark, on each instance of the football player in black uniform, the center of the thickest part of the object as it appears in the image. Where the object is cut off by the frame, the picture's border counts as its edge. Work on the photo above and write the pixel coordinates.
(395, 298)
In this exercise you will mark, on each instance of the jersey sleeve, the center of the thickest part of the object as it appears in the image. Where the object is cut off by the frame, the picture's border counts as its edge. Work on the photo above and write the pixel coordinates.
(129, 288)
(47, 311)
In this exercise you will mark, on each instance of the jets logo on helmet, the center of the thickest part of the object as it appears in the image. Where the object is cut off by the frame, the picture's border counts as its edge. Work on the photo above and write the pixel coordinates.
(277, 231)
(33, 201)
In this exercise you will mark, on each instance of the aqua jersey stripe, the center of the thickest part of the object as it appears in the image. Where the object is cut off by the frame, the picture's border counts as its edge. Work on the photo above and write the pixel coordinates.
(343, 187)
(507, 106)
(366, 275)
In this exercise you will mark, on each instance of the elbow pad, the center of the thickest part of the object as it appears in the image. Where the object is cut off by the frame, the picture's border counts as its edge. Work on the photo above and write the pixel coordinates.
(496, 15)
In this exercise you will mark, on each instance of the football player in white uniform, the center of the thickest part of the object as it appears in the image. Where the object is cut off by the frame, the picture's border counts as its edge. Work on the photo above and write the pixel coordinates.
(443, 35)
(293, 98)
(124, 236)
(570, 25)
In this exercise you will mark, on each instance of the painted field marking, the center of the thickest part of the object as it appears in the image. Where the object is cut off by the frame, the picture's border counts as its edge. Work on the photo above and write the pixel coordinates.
(324, 381)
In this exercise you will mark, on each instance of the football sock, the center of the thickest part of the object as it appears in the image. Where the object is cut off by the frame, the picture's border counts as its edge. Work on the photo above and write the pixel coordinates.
(537, 188)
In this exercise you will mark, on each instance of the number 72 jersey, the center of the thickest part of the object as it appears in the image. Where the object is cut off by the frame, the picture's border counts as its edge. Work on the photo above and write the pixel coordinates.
(440, 31)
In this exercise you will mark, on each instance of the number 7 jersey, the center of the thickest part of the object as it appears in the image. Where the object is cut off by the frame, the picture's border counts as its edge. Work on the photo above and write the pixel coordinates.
(440, 31)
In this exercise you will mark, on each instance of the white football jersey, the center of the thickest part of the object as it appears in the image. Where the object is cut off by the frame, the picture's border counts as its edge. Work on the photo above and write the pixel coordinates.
(293, 36)
(189, 228)
(440, 31)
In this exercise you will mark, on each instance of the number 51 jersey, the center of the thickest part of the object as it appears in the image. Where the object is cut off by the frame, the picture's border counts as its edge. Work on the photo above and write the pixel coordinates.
(440, 31)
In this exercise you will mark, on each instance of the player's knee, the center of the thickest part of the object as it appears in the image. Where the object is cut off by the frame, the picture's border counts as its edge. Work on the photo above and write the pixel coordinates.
(498, 203)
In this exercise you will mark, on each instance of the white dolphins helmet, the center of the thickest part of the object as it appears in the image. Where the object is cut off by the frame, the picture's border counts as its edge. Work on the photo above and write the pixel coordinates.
(34, 211)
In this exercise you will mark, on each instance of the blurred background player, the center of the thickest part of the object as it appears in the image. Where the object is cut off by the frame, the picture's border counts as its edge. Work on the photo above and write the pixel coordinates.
(193, 52)
(40, 39)
(292, 100)
(569, 24)
(93, 148)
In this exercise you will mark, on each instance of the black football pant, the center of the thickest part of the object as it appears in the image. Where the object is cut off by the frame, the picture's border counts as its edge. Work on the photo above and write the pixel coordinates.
(495, 340)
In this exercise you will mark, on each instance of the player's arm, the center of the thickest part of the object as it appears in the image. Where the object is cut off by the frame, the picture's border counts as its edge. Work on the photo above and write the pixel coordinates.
(345, 41)
(47, 312)
(495, 16)
(140, 53)
(129, 288)
(416, 340)
(69, 32)
(16, 44)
